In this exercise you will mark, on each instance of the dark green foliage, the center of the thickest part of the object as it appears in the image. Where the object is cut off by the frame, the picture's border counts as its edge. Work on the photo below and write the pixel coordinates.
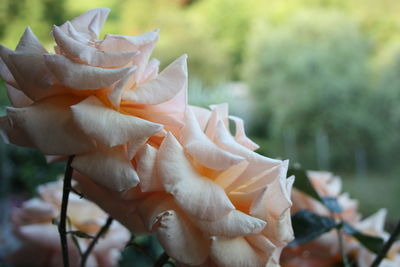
(373, 243)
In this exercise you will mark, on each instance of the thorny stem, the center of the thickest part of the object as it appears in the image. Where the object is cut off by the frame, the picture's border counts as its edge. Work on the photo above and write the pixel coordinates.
(341, 248)
(163, 259)
(63, 214)
(386, 246)
(101, 232)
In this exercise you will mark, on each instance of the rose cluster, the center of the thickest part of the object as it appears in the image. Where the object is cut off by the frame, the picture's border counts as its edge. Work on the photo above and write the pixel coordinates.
(40, 241)
(155, 163)
(325, 250)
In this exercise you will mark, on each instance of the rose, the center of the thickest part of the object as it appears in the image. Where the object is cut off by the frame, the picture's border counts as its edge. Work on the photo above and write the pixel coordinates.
(40, 244)
(98, 100)
(208, 197)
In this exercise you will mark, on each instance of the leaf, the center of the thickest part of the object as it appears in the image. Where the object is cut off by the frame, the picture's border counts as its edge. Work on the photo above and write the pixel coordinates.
(372, 243)
(302, 183)
(81, 234)
(308, 226)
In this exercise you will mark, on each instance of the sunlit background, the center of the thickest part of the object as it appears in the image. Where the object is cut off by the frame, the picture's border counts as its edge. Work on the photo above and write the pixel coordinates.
(318, 81)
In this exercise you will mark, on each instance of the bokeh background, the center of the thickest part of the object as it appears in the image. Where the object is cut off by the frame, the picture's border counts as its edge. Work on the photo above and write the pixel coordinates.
(317, 81)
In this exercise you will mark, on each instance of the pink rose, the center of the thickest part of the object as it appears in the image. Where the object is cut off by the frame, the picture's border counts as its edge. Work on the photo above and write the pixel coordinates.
(40, 241)
(207, 196)
(96, 99)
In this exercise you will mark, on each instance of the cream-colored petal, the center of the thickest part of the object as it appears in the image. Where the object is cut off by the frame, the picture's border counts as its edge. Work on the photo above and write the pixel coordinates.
(235, 223)
(34, 82)
(108, 166)
(243, 200)
(132, 147)
(122, 85)
(232, 252)
(374, 224)
(109, 126)
(17, 98)
(240, 135)
(257, 162)
(30, 43)
(5, 73)
(89, 23)
(50, 127)
(202, 116)
(13, 135)
(80, 76)
(202, 149)
(181, 239)
(228, 176)
(88, 54)
(145, 165)
(196, 195)
(151, 71)
(162, 88)
(219, 113)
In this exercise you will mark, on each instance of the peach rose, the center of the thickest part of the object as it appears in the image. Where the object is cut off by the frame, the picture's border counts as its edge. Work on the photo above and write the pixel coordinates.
(40, 241)
(96, 99)
(207, 196)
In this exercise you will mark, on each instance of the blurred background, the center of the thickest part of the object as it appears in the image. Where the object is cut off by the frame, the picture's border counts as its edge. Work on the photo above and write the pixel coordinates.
(317, 81)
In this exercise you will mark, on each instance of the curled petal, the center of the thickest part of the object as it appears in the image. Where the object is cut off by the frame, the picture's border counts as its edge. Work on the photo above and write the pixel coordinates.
(188, 244)
(49, 126)
(90, 23)
(233, 252)
(164, 87)
(108, 166)
(17, 98)
(149, 180)
(202, 116)
(151, 71)
(228, 176)
(30, 43)
(132, 147)
(122, 85)
(101, 122)
(5, 73)
(198, 196)
(240, 135)
(236, 223)
(202, 149)
(81, 77)
(88, 54)
(219, 114)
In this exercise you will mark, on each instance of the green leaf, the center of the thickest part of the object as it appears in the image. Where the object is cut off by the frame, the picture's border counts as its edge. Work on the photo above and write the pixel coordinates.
(302, 183)
(372, 243)
(308, 226)
(81, 234)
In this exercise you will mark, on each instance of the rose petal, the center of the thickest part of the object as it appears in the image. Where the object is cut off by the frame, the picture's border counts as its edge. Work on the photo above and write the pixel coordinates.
(90, 55)
(233, 252)
(202, 116)
(17, 98)
(101, 122)
(122, 85)
(108, 166)
(227, 177)
(218, 113)
(235, 223)
(30, 43)
(196, 195)
(200, 147)
(5, 73)
(132, 147)
(49, 125)
(149, 180)
(89, 23)
(164, 87)
(240, 135)
(188, 244)
(82, 77)
(151, 71)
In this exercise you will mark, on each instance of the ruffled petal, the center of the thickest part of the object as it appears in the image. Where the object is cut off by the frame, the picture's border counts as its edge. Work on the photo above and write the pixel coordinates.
(164, 87)
(17, 98)
(90, 23)
(228, 176)
(82, 77)
(200, 147)
(30, 43)
(235, 223)
(5, 73)
(231, 252)
(202, 116)
(181, 239)
(49, 125)
(109, 126)
(145, 165)
(151, 71)
(196, 195)
(240, 135)
(108, 166)
(88, 54)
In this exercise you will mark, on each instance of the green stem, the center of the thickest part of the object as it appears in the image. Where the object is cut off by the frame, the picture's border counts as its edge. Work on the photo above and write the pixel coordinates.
(63, 215)
(163, 259)
(101, 232)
